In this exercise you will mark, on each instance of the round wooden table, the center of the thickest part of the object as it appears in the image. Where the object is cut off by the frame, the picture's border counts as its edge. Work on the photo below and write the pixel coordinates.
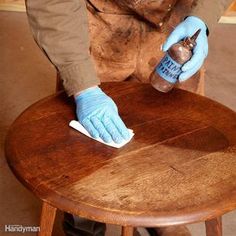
(179, 168)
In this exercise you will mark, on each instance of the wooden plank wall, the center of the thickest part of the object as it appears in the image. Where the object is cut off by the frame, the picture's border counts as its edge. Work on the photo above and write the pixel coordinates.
(12, 5)
(229, 16)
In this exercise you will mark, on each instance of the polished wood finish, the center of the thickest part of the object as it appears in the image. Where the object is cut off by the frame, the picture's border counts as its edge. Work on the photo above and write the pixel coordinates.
(47, 219)
(179, 167)
(127, 231)
(214, 227)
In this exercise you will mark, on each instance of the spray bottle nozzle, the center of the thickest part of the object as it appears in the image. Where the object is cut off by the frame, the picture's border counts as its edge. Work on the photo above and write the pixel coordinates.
(194, 37)
(191, 41)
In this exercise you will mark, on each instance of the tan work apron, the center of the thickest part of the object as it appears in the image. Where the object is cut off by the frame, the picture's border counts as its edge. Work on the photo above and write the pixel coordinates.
(126, 37)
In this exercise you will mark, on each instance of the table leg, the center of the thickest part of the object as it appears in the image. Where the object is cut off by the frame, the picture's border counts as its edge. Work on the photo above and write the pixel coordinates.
(214, 227)
(47, 219)
(127, 231)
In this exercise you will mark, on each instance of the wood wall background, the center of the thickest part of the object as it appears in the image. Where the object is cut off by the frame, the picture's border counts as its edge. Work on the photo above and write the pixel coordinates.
(12, 5)
(229, 16)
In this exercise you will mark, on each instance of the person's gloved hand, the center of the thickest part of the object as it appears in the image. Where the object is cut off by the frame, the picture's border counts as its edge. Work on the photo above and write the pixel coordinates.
(99, 115)
(186, 29)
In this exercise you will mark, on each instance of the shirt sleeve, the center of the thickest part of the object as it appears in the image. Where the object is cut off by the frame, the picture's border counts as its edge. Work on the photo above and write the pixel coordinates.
(60, 28)
(210, 11)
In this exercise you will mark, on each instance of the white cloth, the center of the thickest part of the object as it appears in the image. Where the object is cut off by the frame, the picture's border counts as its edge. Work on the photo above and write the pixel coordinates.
(76, 125)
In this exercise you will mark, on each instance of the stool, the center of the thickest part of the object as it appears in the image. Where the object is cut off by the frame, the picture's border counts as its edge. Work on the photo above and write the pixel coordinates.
(178, 169)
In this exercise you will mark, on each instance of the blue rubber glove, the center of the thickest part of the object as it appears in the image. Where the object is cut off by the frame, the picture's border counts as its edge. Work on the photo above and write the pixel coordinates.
(99, 115)
(186, 29)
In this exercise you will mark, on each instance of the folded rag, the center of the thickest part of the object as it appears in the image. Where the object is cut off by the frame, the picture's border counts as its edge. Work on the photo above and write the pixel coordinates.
(76, 125)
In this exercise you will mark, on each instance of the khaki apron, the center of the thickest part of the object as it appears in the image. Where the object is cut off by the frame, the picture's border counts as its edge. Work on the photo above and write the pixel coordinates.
(126, 36)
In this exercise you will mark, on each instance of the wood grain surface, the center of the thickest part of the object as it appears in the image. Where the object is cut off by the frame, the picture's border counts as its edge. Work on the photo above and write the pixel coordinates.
(180, 167)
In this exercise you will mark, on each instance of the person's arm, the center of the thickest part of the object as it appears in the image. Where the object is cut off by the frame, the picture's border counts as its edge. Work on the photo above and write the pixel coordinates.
(60, 28)
(210, 11)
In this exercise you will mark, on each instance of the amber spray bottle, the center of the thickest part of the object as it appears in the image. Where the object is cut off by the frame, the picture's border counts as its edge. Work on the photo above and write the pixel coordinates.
(166, 74)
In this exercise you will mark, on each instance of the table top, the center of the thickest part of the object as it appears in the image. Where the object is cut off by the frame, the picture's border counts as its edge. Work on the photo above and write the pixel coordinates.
(180, 167)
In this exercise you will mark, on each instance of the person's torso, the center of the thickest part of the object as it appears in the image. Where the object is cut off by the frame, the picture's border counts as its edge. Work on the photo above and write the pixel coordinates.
(126, 35)
(153, 11)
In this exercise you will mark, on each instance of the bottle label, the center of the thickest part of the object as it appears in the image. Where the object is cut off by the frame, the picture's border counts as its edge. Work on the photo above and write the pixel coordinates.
(169, 69)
